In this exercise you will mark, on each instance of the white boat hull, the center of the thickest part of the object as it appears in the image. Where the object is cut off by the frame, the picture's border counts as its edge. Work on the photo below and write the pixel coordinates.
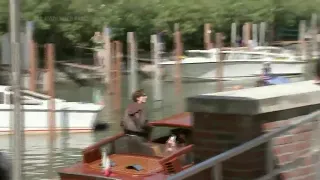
(233, 69)
(39, 121)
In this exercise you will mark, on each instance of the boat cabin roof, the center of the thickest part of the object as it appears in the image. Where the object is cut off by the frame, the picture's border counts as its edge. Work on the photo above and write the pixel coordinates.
(180, 120)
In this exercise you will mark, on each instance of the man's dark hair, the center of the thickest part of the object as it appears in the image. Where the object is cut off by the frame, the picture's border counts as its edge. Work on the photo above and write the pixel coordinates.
(137, 94)
(318, 69)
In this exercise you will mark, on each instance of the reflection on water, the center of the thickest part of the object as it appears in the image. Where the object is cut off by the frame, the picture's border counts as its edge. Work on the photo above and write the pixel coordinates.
(41, 163)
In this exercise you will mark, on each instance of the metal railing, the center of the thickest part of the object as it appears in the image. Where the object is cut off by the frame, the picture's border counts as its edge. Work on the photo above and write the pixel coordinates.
(51, 110)
(216, 162)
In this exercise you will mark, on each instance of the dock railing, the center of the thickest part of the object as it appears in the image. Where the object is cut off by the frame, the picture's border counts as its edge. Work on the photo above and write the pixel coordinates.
(216, 162)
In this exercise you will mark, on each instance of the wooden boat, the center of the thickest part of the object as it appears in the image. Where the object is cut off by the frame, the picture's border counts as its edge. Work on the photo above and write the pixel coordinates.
(151, 156)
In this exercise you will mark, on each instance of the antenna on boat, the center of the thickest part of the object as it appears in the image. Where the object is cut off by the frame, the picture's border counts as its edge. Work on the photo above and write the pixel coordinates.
(16, 83)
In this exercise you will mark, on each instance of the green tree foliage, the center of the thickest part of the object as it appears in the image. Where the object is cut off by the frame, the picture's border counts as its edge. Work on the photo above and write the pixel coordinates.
(72, 22)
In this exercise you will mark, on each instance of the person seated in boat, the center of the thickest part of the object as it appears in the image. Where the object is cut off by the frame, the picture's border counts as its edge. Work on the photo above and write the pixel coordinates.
(182, 140)
(265, 74)
(182, 136)
(135, 120)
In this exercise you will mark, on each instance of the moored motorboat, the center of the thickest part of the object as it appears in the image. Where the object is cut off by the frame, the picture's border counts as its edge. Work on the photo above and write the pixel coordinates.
(71, 116)
(236, 64)
(131, 158)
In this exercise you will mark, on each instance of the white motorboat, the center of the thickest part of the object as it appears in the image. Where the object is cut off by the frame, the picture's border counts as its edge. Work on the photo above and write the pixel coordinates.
(71, 116)
(237, 63)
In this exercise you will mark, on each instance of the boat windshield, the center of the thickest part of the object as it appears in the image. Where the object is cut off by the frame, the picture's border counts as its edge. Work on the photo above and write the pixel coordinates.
(197, 54)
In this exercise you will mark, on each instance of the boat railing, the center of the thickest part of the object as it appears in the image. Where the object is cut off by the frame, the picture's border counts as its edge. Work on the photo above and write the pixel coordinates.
(93, 152)
(36, 109)
(215, 163)
(172, 163)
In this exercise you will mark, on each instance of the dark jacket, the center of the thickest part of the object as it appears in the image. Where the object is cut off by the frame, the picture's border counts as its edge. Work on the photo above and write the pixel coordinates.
(135, 119)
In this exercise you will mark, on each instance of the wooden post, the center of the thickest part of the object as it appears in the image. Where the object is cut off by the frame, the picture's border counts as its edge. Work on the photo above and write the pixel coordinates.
(51, 104)
(177, 29)
(207, 36)
(246, 34)
(220, 56)
(157, 88)
(178, 53)
(255, 33)
(107, 58)
(303, 48)
(249, 27)
(33, 66)
(28, 38)
(51, 88)
(132, 60)
(117, 84)
(233, 35)
(262, 35)
(314, 28)
(113, 74)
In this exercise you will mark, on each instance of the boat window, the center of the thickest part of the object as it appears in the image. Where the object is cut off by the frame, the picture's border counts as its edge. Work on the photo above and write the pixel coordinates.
(1, 98)
(256, 56)
(277, 51)
(24, 100)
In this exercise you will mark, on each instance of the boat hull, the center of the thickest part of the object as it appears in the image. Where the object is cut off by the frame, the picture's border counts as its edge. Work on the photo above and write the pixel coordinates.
(38, 121)
(232, 69)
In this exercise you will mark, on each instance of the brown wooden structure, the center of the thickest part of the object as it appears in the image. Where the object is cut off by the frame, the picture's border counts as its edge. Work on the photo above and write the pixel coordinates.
(157, 163)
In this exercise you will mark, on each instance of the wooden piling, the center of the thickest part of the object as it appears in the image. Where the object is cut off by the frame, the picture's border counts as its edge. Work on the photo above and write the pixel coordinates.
(314, 29)
(50, 60)
(178, 54)
(51, 88)
(157, 89)
(113, 79)
(255, 33)
(118, 60)
(207, 36)
(107, 58)
(220, 56)
(233, 38)
(246, 34)
(33, 66)
(132, 60)
(262, 33)
(303, 45)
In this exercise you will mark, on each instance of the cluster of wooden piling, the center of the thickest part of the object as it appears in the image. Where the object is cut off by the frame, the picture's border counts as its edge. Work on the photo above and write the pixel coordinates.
(114, 56)
(49, 78)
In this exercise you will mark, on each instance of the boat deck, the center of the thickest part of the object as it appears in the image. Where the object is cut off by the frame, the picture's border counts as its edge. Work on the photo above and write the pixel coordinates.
(125, 151)
(152, 169)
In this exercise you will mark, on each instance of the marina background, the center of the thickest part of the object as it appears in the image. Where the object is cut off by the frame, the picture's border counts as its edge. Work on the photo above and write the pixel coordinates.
(60, 23)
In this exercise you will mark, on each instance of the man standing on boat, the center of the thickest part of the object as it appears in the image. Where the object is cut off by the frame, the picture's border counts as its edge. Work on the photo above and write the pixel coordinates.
(135, 121)
(98, 43)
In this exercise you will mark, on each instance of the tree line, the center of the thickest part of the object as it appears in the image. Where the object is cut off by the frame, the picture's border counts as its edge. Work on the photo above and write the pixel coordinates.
(72, 22)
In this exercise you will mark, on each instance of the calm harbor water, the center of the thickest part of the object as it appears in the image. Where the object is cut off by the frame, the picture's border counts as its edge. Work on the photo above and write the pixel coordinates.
(41, 159)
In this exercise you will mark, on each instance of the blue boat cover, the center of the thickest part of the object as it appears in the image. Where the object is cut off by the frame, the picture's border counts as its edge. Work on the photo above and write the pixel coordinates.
(277, 80)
